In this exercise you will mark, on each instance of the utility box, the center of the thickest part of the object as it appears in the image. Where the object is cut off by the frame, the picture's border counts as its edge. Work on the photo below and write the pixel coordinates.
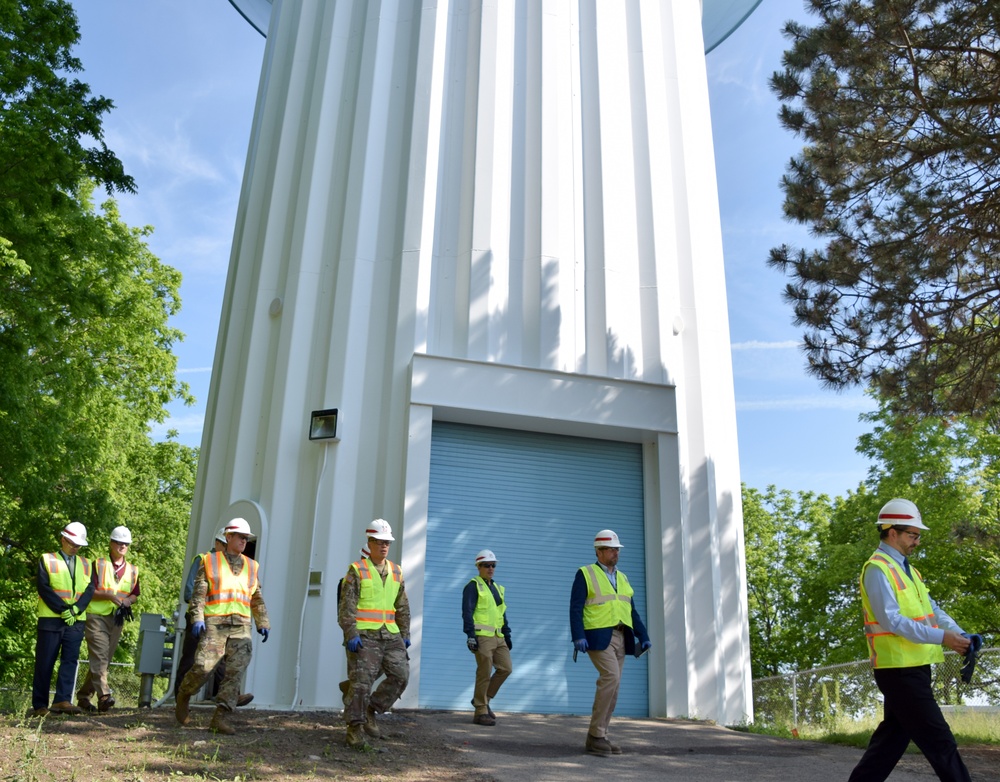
(152, 640)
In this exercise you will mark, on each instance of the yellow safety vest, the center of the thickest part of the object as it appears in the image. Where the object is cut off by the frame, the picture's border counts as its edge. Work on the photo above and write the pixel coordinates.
(377, 601)
(887, 649)
(68, 590)
(488, 616)
(106, 583)
(229, 594)
(606, 607)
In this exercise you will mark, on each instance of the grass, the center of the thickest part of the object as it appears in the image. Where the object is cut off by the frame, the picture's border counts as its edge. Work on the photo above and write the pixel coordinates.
(971, 728)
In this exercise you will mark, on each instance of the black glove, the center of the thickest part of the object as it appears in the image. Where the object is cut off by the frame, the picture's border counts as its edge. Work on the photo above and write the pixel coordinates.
(472, 643)
(123, 614)
(969, 664)
(506, 640)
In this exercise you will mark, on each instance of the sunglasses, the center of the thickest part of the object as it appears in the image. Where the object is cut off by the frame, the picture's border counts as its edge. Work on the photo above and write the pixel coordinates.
(487, 564)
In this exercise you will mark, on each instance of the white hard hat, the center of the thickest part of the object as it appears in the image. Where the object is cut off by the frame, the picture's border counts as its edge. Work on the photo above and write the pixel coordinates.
(380, 530)
(900, 512)
(485, 556)
(75, 533)
(607, 538)
(239, 527)
(121, 535)
(365, 553)
(221, 535)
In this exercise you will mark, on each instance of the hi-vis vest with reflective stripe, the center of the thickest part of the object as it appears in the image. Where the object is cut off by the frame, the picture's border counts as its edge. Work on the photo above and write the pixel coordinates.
(889, 650)
(377, 601)
(68, 590)
(229, 594)
(488, 616)
(106, 583)
(605, 607)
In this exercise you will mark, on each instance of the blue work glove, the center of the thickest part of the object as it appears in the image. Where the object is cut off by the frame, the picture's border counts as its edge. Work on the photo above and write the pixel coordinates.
(406, 642)
(68, 618)
(197, 629)
(264, 632)
(354, 644)
(580, 645)
(472, 643)
(646, 645)
(975, 641)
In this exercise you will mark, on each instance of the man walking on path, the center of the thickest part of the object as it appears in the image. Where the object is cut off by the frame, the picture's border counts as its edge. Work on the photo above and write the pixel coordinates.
(484, 621)
(226, 595)
(374, 614)
(117, 587)
(906, 630)
(65, 586)
(190, 645)
(604, 624)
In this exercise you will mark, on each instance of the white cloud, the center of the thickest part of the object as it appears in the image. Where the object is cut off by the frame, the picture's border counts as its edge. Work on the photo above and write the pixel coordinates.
(186, 425)
(193, 370)
(754, 344)
(814, 402)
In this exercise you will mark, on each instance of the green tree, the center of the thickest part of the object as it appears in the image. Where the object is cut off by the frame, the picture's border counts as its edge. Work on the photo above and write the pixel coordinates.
(783, 534)
(85, 341)
(896, 101)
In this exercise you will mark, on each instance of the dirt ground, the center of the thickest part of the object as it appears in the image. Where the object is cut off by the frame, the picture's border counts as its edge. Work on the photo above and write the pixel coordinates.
(143, 745)
(132, 745)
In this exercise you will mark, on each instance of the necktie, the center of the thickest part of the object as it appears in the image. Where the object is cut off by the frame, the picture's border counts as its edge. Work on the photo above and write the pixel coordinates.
(906, 567)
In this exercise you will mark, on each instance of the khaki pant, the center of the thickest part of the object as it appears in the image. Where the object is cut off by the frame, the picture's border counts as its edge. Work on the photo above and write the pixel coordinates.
(609, 664)
(492, 653)
(102, 636)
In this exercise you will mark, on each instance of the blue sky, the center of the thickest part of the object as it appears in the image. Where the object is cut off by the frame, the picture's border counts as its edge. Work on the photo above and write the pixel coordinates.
(183, 75)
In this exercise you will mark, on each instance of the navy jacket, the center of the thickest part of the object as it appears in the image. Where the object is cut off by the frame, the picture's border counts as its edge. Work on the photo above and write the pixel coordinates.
(600, 637)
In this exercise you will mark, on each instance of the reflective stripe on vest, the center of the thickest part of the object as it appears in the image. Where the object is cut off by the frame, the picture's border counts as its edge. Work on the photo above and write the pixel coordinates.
(229, 594)
(68, 590)
(106, 583)
(606, 607)
(488, 616)
(887, 649)
(377, 601)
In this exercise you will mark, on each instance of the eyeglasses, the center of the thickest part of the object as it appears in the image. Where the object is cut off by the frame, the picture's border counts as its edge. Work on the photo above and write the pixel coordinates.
(487, 564)
(244, 538)
(914, 535)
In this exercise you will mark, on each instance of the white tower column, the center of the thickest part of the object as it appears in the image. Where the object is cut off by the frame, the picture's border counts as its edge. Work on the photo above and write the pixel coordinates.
(522, 184)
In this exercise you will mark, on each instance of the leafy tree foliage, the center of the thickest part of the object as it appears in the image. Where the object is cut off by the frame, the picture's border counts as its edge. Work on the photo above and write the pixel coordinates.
(897, 102)
(782, 549)
(804, 553)
(85, 343)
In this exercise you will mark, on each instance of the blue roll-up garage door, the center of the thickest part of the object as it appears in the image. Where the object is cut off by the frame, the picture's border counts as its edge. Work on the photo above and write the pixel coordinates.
(536, 500)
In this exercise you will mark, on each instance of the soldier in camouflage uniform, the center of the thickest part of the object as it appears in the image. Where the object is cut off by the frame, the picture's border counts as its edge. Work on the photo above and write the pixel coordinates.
(375, 617)
(226, 595)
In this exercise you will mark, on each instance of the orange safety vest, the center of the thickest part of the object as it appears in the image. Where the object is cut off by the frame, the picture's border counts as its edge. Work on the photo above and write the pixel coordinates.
(68, 590)
(229, 594)
(106, 583)
(377, 601)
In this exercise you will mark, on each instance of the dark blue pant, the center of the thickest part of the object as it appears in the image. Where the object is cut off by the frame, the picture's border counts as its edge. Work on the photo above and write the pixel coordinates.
(911, 713)
(55, 639)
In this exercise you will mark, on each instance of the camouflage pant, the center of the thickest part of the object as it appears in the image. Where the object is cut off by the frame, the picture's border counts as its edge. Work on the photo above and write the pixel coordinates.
(230, 641)
(381, 652)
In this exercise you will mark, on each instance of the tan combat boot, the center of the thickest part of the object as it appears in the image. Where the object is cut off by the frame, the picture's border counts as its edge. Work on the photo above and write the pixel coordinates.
(356, 737)
(219, 724)
(181, 710)
(371, 726)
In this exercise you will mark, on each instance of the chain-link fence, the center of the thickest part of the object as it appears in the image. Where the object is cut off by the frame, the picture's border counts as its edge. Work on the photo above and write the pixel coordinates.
(123, 681)
(839, 694)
